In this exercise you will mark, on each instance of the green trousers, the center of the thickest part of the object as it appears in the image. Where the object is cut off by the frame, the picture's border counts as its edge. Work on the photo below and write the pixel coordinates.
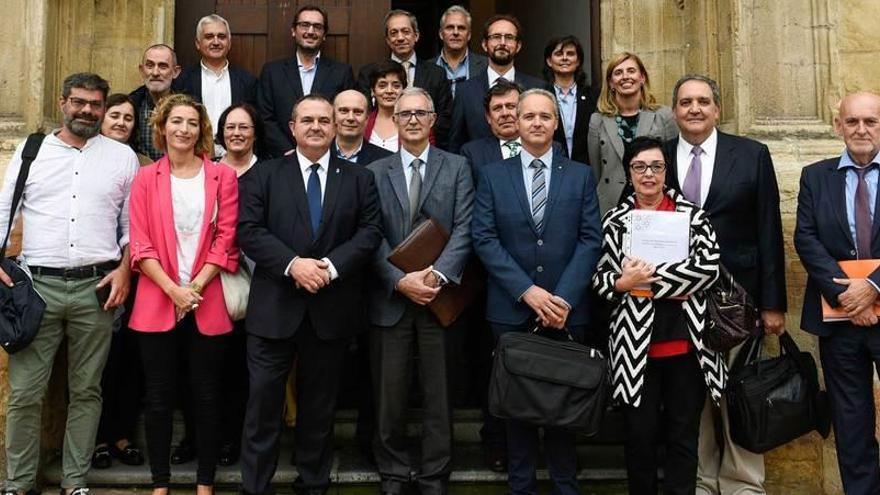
(71, 309)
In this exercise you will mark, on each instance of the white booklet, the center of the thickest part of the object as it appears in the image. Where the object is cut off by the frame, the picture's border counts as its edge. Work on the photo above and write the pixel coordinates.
(659, 236)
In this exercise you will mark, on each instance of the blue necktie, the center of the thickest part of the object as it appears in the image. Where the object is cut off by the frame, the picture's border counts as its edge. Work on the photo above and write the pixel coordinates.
(313, 191)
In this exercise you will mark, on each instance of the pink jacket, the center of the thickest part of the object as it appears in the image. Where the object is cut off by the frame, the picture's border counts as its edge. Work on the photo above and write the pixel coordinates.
(152, 235)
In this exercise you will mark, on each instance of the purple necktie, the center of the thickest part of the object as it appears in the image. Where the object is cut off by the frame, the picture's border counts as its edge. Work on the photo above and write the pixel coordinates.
(691, 186)
(863, 216)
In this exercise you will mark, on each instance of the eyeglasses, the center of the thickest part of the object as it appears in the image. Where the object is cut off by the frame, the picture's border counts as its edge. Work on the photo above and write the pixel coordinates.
(78, 103)
(237, 127)
(406, 115)
(503, 37)
(305, 26)
(642, 167)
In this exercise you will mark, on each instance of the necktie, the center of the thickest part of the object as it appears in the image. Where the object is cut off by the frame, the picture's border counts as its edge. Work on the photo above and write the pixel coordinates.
(313, 192)
(406, 66)
(691, 186)
(415, 189)
(513, 148)
(539, 194)
(863, 216)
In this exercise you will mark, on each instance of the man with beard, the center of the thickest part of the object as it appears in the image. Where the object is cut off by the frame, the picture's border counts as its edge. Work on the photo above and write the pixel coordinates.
(75, 202)
(158, 69)
(455, 57)
(502, 41)
(284, 82)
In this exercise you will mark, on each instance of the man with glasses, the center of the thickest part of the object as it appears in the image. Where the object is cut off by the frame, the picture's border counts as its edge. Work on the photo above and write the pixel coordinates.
(502, 41)
(284, 82)
(418, 183)
(455, 57)
(75, 207)
(158, 68)
(401, 36)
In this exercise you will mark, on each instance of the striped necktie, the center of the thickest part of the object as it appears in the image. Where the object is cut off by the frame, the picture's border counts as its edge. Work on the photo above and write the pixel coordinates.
(539, 194)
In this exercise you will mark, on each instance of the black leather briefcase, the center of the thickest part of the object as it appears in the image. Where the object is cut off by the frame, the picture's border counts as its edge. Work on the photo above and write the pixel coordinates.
(547, 382)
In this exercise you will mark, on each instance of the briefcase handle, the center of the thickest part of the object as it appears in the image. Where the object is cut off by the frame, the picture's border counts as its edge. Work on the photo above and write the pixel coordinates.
(541, 328)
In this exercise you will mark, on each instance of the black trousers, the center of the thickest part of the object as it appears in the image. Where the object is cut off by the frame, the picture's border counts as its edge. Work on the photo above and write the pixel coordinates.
(849, 357)
(318, 365)
(121, 388)
(235, 386)
(672, 401)
(161, 353)
(392, 354)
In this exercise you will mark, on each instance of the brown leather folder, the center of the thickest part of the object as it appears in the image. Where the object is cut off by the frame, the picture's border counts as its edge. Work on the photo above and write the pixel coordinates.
(419, 250)
(853, 269)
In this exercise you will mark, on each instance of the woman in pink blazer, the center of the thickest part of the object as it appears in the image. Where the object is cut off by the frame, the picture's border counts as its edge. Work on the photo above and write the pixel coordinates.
(184, 209)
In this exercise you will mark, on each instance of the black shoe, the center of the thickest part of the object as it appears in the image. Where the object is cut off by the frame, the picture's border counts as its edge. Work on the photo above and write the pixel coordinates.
(101, 458)
(228, 454)
(130, 455)
(496, 459)
(183, 453)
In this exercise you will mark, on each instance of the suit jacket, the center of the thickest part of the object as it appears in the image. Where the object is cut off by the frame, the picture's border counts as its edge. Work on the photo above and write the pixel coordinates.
(743, 206)
(560, 259)
(447, 196)
(822, 238)
(153, 236)
(469, 112)
(433, 80)
(280, 87)
(368, 154)
(483, 151)
(476, 63)
(242, 83)
(605, 150)
(587, 96)
(274, 227)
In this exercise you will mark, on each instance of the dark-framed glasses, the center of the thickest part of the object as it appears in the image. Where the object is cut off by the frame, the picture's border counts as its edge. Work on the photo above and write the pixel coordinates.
(512, 38)
(657, 166)
(77, 103)
(305, 26)
(406, 115)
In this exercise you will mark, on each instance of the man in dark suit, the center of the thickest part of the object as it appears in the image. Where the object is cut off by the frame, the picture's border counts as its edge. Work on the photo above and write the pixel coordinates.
(455, 57)
(536, 229)
(499, 105)
(350, 110)
(418, 183)
(837, 221)
(502, 42)
(215, 82)
(310, 222)
(401, 36)
(158, 68)
(732, 179)
(285, 81)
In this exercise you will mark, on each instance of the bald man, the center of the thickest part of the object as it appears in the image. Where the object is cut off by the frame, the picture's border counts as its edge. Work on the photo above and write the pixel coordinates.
(836, 222)
(350, 108)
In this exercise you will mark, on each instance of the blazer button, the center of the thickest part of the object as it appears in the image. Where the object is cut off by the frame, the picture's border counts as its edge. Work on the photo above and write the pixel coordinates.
(604, 161)
(540, 242)
(852, 252)
(602, 141)
(540, 268)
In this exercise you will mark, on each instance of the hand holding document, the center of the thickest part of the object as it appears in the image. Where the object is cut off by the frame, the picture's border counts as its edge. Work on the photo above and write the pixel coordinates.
(658, 237)
(854, 269)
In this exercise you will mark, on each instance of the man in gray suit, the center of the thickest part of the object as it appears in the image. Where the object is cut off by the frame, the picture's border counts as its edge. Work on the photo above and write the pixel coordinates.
(455, 58)
(415, 184)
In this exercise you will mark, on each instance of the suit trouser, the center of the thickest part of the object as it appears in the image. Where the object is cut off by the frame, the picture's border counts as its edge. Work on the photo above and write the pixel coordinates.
(318, 364)
(72, 309)
(392, 352)
(848, 357)
(735, 472)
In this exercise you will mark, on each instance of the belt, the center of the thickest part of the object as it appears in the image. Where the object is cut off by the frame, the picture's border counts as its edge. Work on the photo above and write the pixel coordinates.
(78, 273)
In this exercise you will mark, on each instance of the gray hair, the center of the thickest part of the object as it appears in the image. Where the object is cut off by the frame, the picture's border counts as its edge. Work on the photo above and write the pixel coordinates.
(84, 80)
(161, 45)
(716, 91)
(396, 12)
(414, 91)
(537, 91)
(456, 9)
(310, 97)
(200, 27)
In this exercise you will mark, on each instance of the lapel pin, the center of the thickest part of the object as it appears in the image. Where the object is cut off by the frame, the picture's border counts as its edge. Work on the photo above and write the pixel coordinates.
(337, 170)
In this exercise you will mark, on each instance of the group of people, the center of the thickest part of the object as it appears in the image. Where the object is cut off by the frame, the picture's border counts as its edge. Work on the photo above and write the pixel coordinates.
(311, 177)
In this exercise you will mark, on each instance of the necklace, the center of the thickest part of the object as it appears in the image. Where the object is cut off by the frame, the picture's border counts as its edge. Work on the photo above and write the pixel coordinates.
(627, 126)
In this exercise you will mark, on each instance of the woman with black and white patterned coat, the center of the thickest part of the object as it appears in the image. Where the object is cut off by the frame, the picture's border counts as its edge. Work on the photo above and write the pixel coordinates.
(661, 369)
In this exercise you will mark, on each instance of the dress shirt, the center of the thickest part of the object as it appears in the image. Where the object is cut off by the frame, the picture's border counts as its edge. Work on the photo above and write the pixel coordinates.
(528, 172)
(460, 73)
(411, 73)
(406, 159)
(683, 158)
(852, 180)
(74, 201)
(353, 157)
(566, 98)
(216, 92)
(305, 166)
(493, 76)
(505, 151)
(307, 75)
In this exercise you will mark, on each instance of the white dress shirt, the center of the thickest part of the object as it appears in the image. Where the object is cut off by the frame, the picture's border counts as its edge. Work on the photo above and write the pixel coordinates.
(406, 159)
(307, 75)
(493, 76)
(216, 92)
(683, 158)
(74, 201)
(529, 172)
(188, 205)
(305, 167)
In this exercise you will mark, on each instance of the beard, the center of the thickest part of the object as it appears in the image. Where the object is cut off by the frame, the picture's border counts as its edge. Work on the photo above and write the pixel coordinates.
(81, 129)
(501, 57)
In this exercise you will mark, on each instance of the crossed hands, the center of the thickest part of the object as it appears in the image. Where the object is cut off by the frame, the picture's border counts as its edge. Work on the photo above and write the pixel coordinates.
(310, 274)
(552, 310)
(420, 287)
(858, 301)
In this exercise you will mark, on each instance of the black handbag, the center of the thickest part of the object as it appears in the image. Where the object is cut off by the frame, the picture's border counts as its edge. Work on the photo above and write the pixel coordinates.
(547, 382)
(21, 307)
(773, 401)
(733, 317)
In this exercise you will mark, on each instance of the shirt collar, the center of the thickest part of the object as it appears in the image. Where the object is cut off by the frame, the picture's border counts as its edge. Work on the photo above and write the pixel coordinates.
(571, 90)
(313, 67)
(505, 141)
(411, 59)
(526, 158)
(406, 157)
(53, 139)
(338, 151)
(305, 163)
(509, 75)
(210, 71)
(847, 161)
(463, 62)
(708, 146)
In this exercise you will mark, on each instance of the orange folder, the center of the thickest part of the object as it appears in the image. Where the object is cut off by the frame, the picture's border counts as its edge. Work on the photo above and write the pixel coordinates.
(853, 269)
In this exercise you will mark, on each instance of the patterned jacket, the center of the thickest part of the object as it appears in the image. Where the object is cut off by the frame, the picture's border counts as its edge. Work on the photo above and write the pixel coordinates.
(632, 319)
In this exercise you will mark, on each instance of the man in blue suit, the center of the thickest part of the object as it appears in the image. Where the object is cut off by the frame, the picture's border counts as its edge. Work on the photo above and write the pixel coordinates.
(837, 221)
(536, 229)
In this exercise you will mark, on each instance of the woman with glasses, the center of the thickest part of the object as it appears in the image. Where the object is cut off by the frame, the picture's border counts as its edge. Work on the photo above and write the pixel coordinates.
(661, 369)
(626, 109)
(240, 132)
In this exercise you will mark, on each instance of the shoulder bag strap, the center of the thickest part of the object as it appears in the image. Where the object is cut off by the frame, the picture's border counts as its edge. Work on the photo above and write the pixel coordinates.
(31, 148)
